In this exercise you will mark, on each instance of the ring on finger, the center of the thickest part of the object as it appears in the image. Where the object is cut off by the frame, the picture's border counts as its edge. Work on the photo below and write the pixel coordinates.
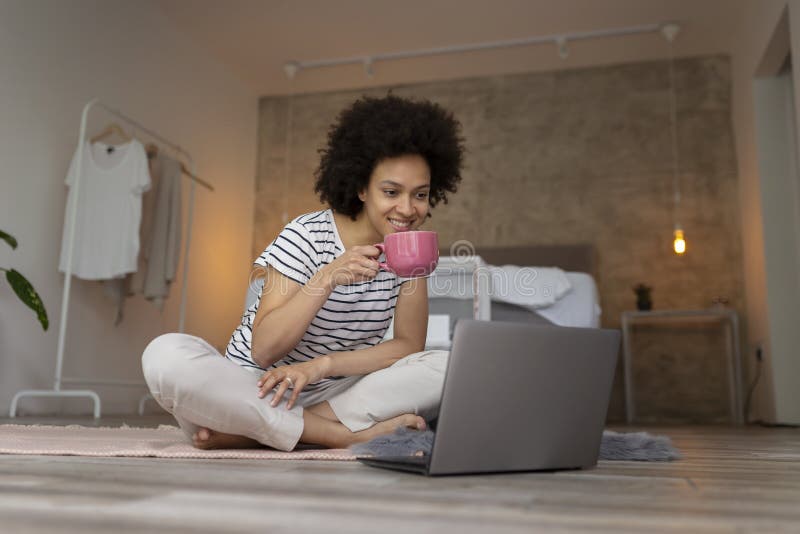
(291, 383)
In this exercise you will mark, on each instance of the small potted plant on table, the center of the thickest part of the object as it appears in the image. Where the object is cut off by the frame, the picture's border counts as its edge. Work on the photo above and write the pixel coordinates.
(644, 301)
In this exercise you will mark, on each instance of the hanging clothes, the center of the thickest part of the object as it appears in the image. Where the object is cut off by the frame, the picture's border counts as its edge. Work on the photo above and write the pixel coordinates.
(161, 234)
(109, 211)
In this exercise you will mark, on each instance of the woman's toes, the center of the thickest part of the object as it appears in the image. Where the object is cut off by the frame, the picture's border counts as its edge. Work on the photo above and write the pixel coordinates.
(413, 421)
(202, 438)
(205, 438)
(416, 422)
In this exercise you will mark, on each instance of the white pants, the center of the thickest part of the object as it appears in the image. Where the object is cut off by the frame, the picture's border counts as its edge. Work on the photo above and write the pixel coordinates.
(196, 384)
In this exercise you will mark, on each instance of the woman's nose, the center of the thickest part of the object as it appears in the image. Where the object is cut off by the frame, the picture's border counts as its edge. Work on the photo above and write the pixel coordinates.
(405, 207)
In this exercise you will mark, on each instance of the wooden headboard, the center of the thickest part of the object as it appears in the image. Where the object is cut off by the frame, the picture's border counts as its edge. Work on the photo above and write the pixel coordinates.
(579, 258)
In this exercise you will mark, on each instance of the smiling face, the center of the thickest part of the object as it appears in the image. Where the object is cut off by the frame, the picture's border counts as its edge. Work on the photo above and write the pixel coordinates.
(396, 198)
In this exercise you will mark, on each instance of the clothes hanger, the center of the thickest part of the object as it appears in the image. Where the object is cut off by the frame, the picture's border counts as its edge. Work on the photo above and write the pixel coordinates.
(191, 176)
(111, 129)
(152, 152)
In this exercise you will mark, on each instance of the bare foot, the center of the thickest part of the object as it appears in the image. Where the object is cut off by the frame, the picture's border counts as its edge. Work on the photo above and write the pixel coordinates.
(205, 438)
(389, 426)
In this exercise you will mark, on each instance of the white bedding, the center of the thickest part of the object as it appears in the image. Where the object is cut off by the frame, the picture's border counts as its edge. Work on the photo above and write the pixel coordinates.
(576, 303)
(529, 287)
(580, 306)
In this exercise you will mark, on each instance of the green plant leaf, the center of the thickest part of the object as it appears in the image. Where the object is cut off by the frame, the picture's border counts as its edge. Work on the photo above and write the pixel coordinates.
(27, 295)
(8, 239)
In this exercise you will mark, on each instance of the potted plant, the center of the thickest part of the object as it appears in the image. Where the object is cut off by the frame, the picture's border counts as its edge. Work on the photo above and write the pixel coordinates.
(23, 288)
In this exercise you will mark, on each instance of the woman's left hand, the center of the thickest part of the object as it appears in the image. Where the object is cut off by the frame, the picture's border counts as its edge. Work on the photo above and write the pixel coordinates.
(297, 376)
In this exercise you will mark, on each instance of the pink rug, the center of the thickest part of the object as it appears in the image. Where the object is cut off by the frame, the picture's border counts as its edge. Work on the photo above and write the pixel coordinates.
(162, 442)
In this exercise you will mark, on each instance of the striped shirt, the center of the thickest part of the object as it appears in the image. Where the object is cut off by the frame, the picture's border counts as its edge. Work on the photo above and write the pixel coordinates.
(354, 317)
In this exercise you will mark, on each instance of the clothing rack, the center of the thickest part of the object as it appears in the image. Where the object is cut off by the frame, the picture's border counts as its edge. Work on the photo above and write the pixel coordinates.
(57, 390)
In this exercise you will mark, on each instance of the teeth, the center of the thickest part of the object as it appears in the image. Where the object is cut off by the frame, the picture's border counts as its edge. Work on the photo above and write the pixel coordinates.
(399, 223)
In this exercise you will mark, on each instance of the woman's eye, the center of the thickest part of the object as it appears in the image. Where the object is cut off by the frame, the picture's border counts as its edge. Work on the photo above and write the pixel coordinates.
(422, 196)
(390, 193)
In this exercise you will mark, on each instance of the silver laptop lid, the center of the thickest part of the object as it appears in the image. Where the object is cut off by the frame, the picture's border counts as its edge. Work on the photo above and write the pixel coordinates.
(521, 397)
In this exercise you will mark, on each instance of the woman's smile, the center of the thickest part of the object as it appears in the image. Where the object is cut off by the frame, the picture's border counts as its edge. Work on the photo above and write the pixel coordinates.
(397, 196)
(401, 225)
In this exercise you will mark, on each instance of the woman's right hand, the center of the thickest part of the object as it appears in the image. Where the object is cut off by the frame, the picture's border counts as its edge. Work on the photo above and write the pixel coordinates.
(357, 264)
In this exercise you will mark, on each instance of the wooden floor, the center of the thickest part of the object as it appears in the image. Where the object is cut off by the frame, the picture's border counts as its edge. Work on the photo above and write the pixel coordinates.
(731, 480)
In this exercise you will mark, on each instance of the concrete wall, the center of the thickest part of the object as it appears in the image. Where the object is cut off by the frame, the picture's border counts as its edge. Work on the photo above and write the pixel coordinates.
(54, 57)
(564, 157)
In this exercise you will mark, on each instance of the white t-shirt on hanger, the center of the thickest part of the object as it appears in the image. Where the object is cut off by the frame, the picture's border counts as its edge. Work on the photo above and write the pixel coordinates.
(109, 210)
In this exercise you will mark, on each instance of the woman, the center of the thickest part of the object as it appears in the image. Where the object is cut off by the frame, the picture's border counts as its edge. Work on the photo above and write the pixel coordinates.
(311, 364)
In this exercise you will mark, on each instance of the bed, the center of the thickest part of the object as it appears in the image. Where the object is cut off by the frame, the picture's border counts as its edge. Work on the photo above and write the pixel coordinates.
(579, 307)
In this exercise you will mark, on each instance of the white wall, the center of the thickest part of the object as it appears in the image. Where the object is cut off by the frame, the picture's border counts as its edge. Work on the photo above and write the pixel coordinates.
(776, 118)
(758, 20)
(55, 56)
(779, 197)
(787, 395)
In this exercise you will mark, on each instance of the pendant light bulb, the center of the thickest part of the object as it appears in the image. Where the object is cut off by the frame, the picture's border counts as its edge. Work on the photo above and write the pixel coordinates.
(679, 243)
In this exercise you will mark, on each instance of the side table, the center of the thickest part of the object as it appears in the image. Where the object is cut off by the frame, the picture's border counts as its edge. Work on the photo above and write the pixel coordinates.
(724, 315)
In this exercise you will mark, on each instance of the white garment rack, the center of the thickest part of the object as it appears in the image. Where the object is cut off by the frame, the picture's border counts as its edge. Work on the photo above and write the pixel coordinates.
(57, 391)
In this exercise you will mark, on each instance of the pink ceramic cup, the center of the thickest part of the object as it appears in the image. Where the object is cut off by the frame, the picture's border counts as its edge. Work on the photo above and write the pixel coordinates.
(410, 254)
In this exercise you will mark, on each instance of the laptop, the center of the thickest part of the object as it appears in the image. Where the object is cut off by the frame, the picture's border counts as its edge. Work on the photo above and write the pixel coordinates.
(519, 397)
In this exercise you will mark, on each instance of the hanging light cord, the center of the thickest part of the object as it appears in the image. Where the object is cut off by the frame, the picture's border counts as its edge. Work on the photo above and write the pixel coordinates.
(674, 132)
(287, 157)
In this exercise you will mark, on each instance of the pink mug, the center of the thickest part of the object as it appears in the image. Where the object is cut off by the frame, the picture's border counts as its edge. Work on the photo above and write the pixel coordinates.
(410, 254)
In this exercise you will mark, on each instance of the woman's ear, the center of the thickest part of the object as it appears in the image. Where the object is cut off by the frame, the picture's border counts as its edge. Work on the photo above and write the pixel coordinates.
(362, 195)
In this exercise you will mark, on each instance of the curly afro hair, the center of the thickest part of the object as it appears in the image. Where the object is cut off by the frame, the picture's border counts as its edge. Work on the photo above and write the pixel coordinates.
(373, 129)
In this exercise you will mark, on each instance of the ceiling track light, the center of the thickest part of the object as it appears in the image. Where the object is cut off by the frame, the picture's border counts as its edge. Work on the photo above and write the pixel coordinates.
(562, 41)
(670, 31)
(368, 70)
(291, 68)
(563, 48)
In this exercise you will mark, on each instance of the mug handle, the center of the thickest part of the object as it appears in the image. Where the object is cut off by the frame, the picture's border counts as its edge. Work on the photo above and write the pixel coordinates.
(382, 248)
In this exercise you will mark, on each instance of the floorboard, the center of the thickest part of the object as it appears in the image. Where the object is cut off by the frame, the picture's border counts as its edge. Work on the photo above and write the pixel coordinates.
(731, 479)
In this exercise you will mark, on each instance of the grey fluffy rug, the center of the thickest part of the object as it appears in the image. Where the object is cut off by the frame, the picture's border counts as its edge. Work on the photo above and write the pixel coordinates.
(630, 446)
